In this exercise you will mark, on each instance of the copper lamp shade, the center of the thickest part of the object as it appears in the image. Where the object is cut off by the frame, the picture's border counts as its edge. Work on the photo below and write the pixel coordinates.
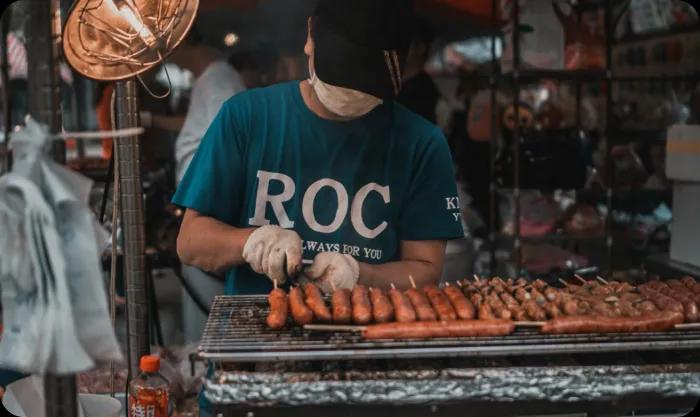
(112, 40)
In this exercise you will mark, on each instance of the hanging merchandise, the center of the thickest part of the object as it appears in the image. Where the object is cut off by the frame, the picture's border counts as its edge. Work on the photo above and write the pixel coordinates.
(53, 300)
(628, 169)
(549, 159)
(541, 35)
(584, 39)
(479, 118)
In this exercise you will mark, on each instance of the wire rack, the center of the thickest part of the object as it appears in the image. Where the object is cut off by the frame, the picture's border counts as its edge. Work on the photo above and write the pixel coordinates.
(236, 332)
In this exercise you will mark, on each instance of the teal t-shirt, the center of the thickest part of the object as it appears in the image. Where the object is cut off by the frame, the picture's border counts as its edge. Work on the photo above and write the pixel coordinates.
(357, 187)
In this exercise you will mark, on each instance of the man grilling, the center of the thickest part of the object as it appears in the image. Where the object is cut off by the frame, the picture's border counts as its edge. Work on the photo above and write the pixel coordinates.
(330, 169)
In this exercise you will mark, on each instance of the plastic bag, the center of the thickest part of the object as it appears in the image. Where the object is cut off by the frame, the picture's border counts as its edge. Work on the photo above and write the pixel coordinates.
(541, 35)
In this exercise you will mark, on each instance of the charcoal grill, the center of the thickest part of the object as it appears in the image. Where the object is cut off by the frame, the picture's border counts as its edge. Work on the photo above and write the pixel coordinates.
(299, 372)
(236, 331)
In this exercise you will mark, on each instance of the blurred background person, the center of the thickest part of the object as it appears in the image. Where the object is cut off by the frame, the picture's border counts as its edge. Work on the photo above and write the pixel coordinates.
(419, 92)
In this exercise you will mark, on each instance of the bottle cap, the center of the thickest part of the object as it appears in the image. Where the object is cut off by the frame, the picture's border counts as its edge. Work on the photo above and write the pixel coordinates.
(150, 363)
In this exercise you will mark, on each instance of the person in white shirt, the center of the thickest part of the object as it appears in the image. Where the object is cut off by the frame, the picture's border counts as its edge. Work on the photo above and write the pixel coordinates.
(215, 81)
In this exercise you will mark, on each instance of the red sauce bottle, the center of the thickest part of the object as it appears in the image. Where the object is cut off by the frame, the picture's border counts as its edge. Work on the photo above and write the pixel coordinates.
(148, 393)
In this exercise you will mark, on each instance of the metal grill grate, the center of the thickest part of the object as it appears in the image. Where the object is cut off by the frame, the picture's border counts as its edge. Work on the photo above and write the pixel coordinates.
(236, 331)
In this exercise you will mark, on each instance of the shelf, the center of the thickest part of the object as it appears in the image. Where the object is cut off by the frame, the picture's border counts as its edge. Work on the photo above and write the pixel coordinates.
(552, 237)
(680, 30)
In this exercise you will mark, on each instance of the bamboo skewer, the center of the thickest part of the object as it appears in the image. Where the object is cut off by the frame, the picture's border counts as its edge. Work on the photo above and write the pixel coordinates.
(413, 283)
(601, 279)
(580, 278)
(529, 323)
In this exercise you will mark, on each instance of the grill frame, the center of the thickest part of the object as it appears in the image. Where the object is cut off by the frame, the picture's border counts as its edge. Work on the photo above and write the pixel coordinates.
(236, 332)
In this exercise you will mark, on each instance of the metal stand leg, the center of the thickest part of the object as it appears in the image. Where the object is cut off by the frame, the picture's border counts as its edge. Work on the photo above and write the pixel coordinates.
(44, 93)
(132, 207)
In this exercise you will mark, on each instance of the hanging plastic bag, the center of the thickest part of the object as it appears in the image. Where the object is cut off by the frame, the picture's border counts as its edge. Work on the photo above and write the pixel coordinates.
(541, 35)
(40, 335)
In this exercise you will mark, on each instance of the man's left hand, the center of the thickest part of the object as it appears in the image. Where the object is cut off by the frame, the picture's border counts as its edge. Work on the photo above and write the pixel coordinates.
(331, 270)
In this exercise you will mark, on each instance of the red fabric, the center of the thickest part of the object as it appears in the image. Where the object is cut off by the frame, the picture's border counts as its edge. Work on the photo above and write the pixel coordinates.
(477, 8)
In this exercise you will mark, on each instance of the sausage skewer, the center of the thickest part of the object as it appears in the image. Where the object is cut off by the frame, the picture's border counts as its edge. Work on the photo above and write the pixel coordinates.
(361, 305)
(440, 303)
(402, 306)
(382, 310)
(427, 330)
(279, 308)
(314, 300)
(462, 306)
(300, 312)
(420, 303)
(341, 305)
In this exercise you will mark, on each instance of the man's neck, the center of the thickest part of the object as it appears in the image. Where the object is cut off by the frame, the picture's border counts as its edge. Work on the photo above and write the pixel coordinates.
(314, 104)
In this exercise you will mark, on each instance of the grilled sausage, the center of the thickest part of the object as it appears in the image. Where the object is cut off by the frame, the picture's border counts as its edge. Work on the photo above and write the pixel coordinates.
(516, 311)
(279, 308)
(646, 307)
(594, 324)
(462, 306)
(402, 306)
(551, 293)
(485, 312)
(539, 298)
(435, 329)
(553, 312)
(341, 305)
(498, 307)
(361, 305)
(300, 312)
(534, 311)
(522, 295)
(421, 305)
(440, 302)
(628, 309)
(382, 310)
(314, 300)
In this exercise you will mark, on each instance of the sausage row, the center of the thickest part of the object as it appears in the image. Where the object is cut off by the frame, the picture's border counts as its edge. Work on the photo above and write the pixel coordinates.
(364, 305)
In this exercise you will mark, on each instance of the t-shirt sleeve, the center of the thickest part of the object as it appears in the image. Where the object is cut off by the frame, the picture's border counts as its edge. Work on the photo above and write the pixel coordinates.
(214, 180)
(431, 210)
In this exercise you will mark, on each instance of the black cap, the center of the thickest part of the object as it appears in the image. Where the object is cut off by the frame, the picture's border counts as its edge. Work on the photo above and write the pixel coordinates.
(362, 44)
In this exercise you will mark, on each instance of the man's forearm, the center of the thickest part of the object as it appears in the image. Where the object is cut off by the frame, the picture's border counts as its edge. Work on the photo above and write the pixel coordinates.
(211, 245)
(383, 275)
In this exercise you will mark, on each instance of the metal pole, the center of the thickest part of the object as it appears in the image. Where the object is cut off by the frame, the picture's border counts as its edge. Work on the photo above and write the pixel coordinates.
(43, 43)
(132, 208)
(6, 105)
(493, 200)
(609, 177)
(44, 88)
(516, 138)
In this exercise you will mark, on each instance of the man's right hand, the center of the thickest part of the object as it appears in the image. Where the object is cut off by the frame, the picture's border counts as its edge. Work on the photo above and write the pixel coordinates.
(274, 251)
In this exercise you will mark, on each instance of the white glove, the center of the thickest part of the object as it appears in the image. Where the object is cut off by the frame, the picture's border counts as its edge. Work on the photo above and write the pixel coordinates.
(333, 270)
(274, 251)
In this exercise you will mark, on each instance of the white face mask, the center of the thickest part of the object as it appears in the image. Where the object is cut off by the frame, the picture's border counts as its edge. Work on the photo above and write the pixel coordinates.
(344, 102)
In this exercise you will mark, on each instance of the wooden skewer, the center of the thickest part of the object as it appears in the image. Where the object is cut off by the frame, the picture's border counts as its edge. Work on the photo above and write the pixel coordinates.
(393, 287)
(274, 283)
(601, 279)
(566, 284)
(333, 286)
(529, 323)
(334, 328)
(687, 326)
(581, 279)
(476, 278)
(413, 283)
(459, 284)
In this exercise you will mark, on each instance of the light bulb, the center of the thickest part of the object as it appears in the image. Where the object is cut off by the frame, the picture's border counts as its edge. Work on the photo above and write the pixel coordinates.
(124, 9)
